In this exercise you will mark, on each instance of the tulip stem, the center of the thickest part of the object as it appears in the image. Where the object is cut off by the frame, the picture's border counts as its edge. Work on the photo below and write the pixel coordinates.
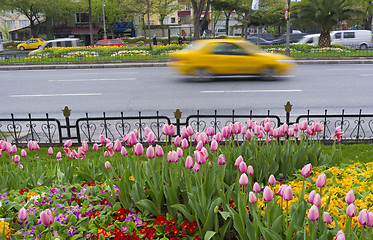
(362, 234)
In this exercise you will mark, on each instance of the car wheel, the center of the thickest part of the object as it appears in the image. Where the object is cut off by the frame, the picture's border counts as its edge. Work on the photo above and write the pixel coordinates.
(22, 48)
(268, 73)
(202, 74)
(363, 47)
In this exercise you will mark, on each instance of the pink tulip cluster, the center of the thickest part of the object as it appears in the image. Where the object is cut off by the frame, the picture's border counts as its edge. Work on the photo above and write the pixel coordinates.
(365, 217)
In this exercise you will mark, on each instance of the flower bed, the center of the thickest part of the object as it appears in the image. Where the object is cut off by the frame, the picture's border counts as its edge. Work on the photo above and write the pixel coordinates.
(120, 190)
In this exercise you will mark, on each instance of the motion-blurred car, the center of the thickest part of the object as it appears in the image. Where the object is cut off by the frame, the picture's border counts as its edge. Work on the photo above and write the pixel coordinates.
(207, 58)
(294, 37)
(267, 36)
(254, 40)
(109, 42)
(32, 43)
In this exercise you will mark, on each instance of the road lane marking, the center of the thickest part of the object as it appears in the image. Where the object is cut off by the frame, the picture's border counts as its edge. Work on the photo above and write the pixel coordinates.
(58, 95)
(95, 79)
(252, 91)
(365, 75)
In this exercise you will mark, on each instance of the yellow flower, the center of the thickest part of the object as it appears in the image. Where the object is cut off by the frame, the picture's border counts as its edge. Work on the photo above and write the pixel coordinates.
(8, 231)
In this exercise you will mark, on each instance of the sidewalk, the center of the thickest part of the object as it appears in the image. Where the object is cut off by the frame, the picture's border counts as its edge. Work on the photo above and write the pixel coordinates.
(153, 64)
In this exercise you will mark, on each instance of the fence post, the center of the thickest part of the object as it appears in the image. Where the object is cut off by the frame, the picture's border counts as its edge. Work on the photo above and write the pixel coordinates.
(288, 107)
(66, 112)
(177, 115)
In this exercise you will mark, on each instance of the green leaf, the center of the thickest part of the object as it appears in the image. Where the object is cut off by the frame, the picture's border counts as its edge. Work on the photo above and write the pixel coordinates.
(209, 235)
(149, 205)
(182, 208)
(225, 215)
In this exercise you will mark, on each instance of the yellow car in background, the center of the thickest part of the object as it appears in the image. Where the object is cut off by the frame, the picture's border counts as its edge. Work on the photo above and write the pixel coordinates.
(214, 57)
(32, 43)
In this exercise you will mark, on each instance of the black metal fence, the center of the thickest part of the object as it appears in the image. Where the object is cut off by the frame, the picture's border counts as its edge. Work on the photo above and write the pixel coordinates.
(357, 128)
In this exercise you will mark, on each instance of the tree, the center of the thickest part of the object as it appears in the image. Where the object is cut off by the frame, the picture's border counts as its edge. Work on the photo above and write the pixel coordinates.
(164, 8)
(227, 7)
(198, 7)
(326, 14)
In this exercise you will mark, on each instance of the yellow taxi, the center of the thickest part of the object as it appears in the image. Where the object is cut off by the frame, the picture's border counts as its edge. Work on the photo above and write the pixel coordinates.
(32, 43)
(206, 58)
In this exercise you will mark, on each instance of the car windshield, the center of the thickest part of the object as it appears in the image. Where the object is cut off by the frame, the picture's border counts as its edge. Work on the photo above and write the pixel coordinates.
(195, 46)
(250, 47)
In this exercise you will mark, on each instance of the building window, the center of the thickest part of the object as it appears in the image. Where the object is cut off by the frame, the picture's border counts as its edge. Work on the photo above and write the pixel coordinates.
(82, 17)
(23, 23)
(166, 20)
(9, 23)
(173, 20)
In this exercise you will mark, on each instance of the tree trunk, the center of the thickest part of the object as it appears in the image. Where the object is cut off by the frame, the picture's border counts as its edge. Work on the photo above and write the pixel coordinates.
(324, 40)
(227, 16)
(161, 19)
(197, 11)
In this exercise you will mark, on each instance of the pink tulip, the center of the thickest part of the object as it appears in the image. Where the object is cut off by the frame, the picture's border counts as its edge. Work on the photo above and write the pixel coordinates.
(95, 147)
(313, 213)
(249, 124)
(179, 152)
(67, 151)
(351, 210)
(248, 136)
(158, 151)
(196, 167)
(303, 125)
(138, 149)
(172, 156)
(20, 166)
(321, 180)
(204, 138)
(363, 217)
(317, 200)
(210, 131)
(337, 134)
(109, 145)
(117, 146)
(189, 162)
(267, 127)
(244, 180)
(272, 180)
(189, 131)
(1, 151)
(132, 139)
(214, 145)
(184, 144)
(306, 170)
(250, 170)
(177, 141)
(150, 153)
(23, 153)
(221, 160)
(111, 152)
(22, 214)
(282, 189)
(106, 154)
(218, 137)
(46, 217)
(236, 128)
(311, 196)
(267, 194)
(147, 130)
(50, 151)
(238, 161)
(340, 235)
(67, 144)
(350, 197)
(102, 139)
(198, 156)
(107, 165)
(226, 132)
(16, 158)
(288, 193)
(123, 151)
(59, 155)
(84, 146)
(242, 167)
(199, 146)
(370, 219)
(326, 217)
(252, 197)
(151, 137)
(14, 149)
(183, 133)
(256, 187)
(205, 153)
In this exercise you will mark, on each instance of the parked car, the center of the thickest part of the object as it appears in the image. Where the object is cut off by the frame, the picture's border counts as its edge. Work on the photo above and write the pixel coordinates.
(32, 43)
(60, 42)
(109, 42)
(266, 36)
(254, 40)
(359, 39)
(311, 39)
(207, 58)
(294, 37)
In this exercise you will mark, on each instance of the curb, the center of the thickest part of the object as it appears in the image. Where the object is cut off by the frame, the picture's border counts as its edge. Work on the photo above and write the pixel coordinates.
(156, 64)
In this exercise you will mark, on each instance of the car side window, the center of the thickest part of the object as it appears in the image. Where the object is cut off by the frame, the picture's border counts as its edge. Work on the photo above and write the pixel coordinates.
(48, 45)
(229, 49)
(68, 44)
(338, 35)
(349, 35)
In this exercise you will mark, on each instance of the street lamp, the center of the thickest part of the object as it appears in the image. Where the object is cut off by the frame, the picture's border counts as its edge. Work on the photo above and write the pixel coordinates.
(103, 14)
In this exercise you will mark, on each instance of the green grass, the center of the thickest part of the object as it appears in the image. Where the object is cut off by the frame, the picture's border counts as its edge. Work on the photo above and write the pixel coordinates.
(353, 153)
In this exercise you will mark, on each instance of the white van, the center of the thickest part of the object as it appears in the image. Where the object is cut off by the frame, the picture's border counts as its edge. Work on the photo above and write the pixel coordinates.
(359, 39)
(311, 39)
(60, 42)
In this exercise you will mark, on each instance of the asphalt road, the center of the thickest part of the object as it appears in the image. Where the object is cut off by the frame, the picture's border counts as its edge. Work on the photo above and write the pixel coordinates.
(314, 87)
